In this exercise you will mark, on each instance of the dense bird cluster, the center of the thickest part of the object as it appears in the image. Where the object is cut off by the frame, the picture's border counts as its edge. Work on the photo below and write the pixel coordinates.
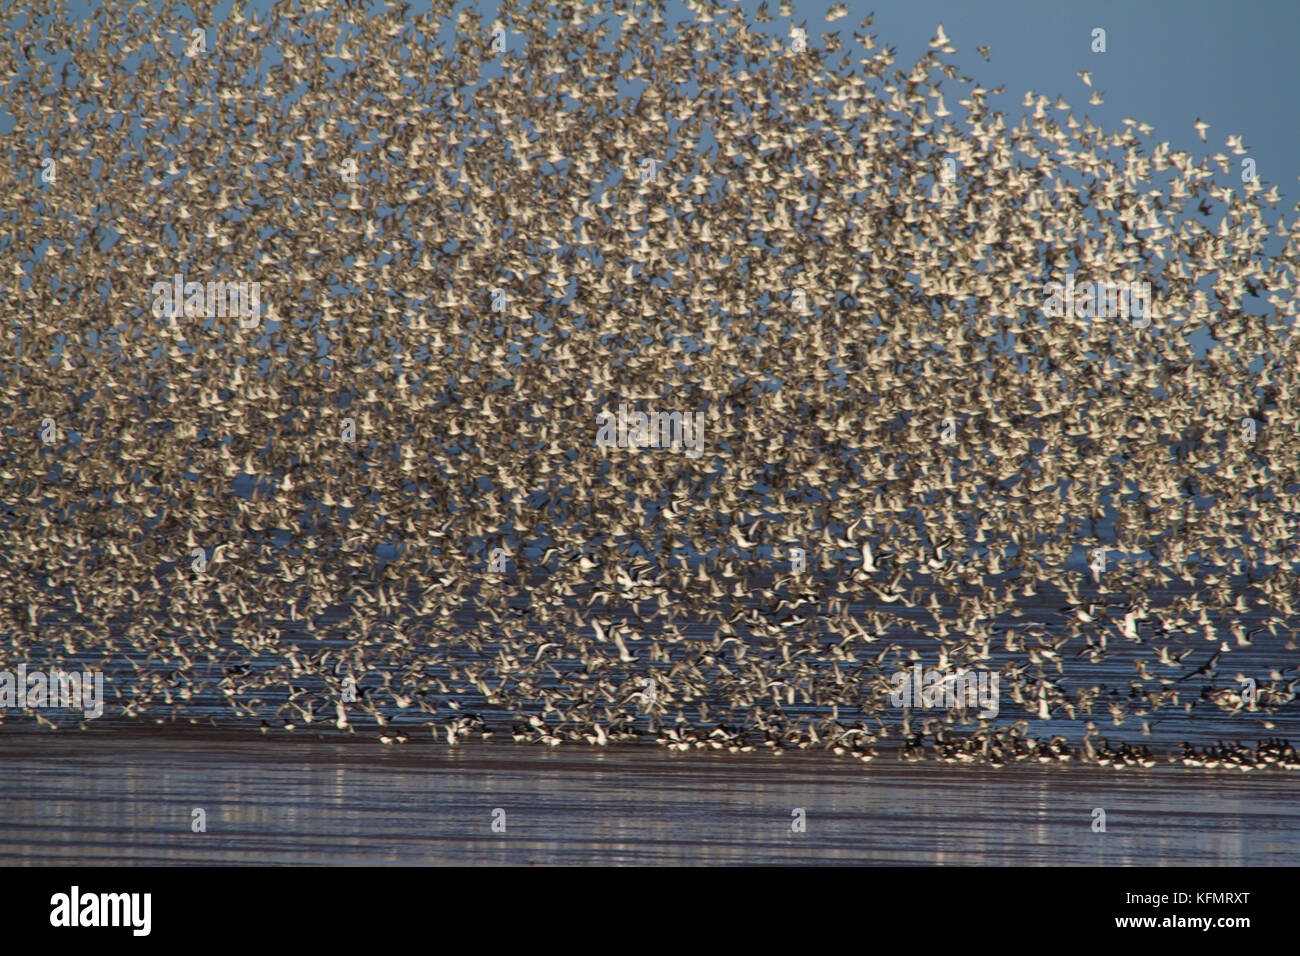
(370, 495)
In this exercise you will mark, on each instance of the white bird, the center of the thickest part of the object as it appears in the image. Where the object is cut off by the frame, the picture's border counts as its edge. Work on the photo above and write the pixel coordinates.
(868, 559)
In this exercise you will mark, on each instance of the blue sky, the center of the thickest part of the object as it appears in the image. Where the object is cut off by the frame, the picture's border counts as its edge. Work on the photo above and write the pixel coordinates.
(1166, 64)
(1232, 65)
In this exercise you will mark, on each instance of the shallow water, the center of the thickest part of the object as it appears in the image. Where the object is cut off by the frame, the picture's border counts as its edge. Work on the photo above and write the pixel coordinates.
(128, 798)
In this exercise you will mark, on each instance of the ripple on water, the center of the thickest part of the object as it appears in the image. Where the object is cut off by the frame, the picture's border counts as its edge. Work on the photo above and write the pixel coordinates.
(113, 798)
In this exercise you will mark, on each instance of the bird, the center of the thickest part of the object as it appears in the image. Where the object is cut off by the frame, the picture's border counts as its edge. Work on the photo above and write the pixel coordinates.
(375, 398)
(1209, 668)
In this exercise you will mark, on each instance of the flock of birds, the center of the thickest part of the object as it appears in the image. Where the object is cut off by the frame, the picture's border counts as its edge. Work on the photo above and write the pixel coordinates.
(380, 507)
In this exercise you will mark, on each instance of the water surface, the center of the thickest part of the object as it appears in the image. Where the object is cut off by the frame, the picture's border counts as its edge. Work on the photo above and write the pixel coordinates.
(128, 798)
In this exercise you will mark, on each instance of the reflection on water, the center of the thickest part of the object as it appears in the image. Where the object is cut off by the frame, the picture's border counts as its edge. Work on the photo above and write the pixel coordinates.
(129, 798)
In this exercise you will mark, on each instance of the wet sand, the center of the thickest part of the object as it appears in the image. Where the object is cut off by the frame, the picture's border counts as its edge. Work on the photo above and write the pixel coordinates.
(122, 798)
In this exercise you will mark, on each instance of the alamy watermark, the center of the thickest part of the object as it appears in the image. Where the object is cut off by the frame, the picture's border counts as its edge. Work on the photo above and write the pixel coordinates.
(59, 688)
(75, 908)
(1102, 300)
(212, 300)
(633, 429)
(925, 689)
